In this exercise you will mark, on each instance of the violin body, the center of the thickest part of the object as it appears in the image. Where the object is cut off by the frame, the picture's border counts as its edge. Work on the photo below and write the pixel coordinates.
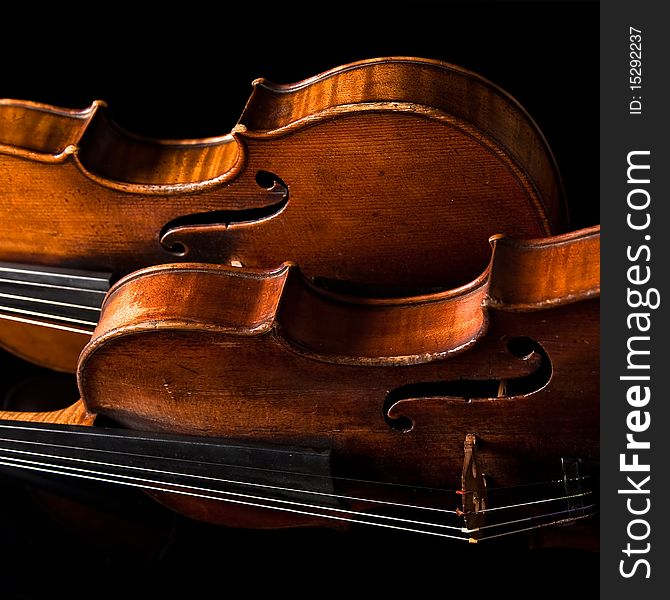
(393, 390)
(377, 173)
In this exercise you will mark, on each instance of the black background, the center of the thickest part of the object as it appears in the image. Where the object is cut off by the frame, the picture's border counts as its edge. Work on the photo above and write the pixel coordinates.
(189, 77)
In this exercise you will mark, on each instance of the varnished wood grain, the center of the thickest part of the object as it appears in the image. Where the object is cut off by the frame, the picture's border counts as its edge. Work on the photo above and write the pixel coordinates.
(352, 329)
(76, 414)
(544, 271)
(157, 363)
(389, 174)
(52, 348)
(400, 83)
(217, 384)
(41, 132)
(385, 159)
(390, 420)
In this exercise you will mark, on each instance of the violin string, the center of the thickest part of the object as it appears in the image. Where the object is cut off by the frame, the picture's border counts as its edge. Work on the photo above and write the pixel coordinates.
(525, 519)
(560, 481)
(50, 302)
(25, 271)
(106, 434)
(530, 503)
(315, 510)
(231, 481)
(46, 324)
(268, 486)
(52, 319)
(157, 485)
(538, 526)
(32, 313)
(52, 286)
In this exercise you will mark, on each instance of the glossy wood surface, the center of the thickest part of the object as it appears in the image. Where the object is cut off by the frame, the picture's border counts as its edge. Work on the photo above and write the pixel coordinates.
(214, 88)
(535, 273)
(383, 176)
(378, 173)
(52, 348)
(527, 389)
(76, 414)
(335, 327)
(388, 420)
(201, 387)
(393, 150)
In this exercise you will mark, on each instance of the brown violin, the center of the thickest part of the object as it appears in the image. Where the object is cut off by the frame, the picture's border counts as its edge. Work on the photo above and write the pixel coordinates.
(389, 173)
(467, 414)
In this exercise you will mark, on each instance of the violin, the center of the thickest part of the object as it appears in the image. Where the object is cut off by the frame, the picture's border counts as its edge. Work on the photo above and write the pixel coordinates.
(390, 173)
(467, 414)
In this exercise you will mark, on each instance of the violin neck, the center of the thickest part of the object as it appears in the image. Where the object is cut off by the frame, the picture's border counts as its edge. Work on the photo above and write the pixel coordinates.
(58, 298)
(163, 462)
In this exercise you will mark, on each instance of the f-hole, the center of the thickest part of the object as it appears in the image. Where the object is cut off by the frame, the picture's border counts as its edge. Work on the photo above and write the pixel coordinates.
(473, 390)
(275, 189)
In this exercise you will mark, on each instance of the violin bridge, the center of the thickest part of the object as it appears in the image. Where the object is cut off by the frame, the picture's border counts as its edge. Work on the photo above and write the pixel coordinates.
(473, 490)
